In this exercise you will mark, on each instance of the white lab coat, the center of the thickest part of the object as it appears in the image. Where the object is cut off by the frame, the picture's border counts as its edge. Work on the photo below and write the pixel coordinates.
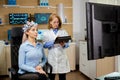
(56, 55)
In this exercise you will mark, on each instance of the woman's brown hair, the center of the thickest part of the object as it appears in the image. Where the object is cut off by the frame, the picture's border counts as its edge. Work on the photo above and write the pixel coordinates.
(52, 16)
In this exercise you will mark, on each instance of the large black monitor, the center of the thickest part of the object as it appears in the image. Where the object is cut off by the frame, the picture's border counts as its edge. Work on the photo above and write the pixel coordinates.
(103, 30)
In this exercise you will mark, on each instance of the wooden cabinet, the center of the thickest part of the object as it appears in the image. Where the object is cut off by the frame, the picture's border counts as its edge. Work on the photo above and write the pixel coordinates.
(5, 60)
(8, 57)
(94, 68)
(2, 60)
(86, 67)
(71, 56)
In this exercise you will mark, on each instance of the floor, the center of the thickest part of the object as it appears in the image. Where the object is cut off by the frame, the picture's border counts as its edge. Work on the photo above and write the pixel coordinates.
(73, 75)
(76, 75)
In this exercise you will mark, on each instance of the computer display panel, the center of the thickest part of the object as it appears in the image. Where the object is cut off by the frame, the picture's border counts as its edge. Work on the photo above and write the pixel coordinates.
(18, 18)
(103, 33)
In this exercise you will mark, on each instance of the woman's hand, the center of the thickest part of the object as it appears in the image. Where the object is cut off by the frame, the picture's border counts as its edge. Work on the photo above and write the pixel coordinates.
(41, 71)
(38, 67)
(62, 44)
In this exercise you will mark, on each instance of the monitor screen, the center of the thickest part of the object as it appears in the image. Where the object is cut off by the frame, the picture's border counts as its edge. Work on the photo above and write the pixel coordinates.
(118, 14)
(18, 18)
(104, 12)
(103, 31)
(41, 18)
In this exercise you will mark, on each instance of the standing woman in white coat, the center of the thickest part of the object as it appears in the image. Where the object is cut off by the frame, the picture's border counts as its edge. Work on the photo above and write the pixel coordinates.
(56, 54)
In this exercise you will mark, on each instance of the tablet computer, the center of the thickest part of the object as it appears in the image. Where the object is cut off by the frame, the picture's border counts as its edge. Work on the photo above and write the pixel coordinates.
(62, 39)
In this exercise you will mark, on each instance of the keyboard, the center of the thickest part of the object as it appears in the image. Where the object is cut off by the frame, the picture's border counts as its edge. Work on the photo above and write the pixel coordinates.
(112, 78)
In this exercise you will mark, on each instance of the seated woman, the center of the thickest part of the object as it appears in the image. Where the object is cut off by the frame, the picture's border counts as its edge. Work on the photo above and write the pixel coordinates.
(31, 55)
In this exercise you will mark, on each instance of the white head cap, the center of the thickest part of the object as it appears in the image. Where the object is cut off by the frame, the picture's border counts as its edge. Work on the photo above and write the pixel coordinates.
(28, 25)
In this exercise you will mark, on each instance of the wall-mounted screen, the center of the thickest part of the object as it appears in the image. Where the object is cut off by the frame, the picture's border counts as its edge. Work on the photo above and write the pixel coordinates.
(41, 18)
(18, 18)
(103, 30)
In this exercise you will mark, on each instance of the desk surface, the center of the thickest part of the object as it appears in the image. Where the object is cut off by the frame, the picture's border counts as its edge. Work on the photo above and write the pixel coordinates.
(111, 74)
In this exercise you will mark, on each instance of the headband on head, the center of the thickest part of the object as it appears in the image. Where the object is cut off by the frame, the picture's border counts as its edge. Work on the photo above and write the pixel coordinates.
(28, 25)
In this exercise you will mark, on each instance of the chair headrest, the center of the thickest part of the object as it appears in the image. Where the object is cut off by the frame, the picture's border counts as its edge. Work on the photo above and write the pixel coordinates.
(16, 32)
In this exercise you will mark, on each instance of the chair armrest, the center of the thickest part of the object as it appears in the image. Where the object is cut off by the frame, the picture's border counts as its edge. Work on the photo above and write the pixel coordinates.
(12, 70)
(47, 68)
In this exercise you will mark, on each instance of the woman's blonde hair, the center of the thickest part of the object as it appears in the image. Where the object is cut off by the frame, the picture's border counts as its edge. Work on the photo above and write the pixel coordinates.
(52, 16)
(24, 38)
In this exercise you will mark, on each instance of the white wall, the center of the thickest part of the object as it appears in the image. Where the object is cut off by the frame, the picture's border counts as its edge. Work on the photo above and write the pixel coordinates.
(79, 23)
(79, 19)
